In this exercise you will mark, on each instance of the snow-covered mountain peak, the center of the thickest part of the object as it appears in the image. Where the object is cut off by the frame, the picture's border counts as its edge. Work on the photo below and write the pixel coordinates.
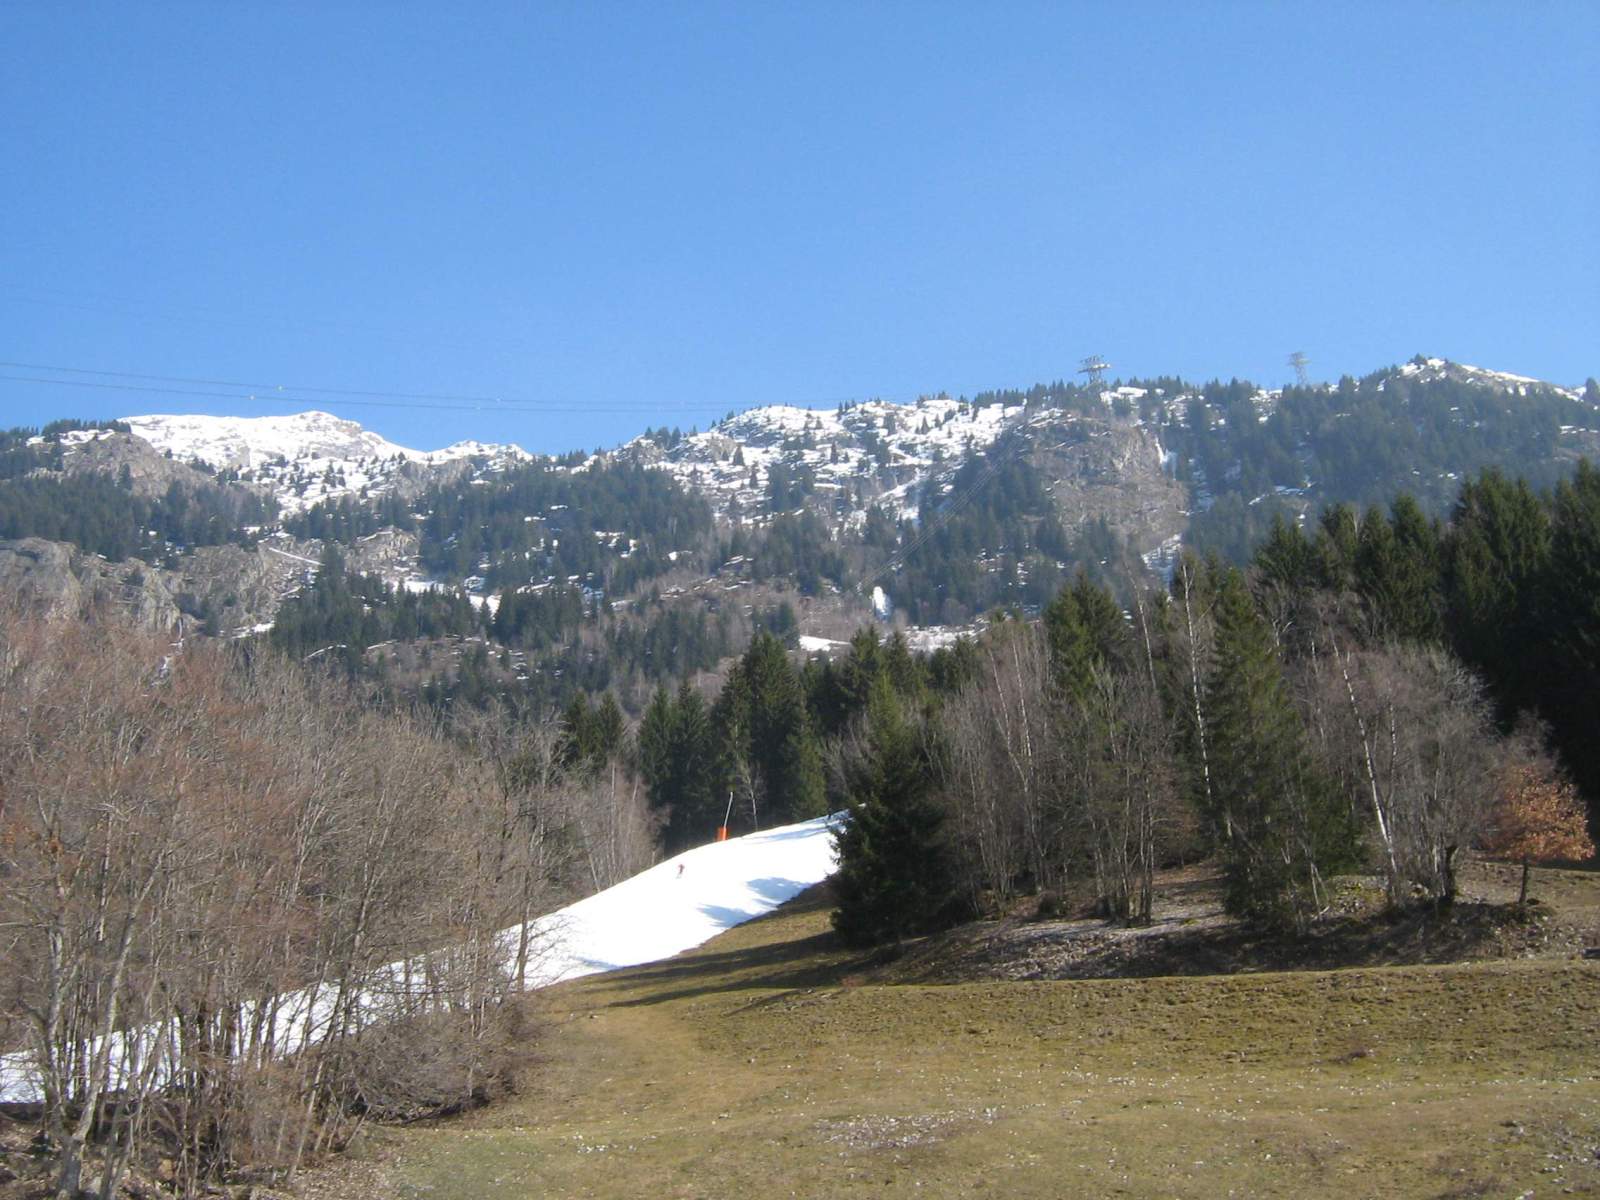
(301, 457)
(884, 447)
(244, 442)
(1421, 368)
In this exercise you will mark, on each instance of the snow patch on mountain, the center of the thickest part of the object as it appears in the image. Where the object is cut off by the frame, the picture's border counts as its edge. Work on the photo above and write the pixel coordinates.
(302, 458)
(1444, 368)
(877, 451)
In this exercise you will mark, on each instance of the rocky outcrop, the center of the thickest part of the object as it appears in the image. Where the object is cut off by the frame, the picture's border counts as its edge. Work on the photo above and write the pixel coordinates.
(58, 579)
(148, 471)
(1113, 469)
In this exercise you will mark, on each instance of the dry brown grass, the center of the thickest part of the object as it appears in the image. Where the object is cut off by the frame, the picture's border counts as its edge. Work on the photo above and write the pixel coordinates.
(748, 1069)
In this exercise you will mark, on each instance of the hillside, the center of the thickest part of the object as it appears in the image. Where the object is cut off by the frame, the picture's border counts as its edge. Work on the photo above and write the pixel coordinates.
(659, 559)
(773, 1060)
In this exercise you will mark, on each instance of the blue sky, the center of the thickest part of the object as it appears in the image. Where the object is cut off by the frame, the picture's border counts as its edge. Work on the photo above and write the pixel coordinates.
(610, 216)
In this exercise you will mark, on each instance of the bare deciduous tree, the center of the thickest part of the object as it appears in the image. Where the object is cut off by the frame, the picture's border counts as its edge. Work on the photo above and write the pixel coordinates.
(1407, 731)
(242, 911)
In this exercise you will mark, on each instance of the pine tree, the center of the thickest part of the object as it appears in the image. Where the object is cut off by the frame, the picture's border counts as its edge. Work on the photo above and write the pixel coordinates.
(1086, 632)
(1569, 604)
(895, 876)
(1286, 558)
(1281, 826)
(654, 748)
(1337, 544)
(1414, 610)
(769, 752)
(1498, 549)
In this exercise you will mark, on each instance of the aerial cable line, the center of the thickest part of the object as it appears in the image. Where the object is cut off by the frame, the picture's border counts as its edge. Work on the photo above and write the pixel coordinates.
(446, 401)
(262, 387)
(144, 310)
(609, 407)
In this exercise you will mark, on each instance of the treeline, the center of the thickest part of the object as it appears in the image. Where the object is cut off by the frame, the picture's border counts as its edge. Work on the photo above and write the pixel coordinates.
(568, 642)
(1360, 442)
(101, 514)
(341, 614)
(759, 754)
(537, 522)
(795, 548)
(990, 539)
(1511, 586)
(1383, 694)
(104, 516)
(346, 519)
(246, 911)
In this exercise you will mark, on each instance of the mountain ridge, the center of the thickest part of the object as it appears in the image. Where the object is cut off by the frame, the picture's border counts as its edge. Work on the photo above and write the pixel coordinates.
(924, 514)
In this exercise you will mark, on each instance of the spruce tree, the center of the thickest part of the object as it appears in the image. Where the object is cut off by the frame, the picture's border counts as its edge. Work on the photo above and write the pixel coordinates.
(1286, 558)
(654, 748)
(895, 876)
(1415, 606)
(1280, 825)
(1337, 544)
(768, 746)
(1569, 605)
(1498, 549)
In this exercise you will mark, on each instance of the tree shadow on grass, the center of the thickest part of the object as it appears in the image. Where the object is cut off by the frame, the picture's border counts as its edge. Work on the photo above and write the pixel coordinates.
(771, 890)
(820, 960)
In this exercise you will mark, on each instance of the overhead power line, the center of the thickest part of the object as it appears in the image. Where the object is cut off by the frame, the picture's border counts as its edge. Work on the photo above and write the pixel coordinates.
(254, 387)
(306, 394)
(275, 395)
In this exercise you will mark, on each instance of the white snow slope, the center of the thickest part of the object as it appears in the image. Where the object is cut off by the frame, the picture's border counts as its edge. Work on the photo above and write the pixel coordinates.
(243, 442)
(302, 457)
(658, 913)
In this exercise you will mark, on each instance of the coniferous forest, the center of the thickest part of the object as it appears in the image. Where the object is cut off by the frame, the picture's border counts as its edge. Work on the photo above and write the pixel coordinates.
(1386, 691)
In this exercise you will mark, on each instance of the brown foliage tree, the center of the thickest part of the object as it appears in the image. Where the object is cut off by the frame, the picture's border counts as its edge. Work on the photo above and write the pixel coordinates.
(1538, 818)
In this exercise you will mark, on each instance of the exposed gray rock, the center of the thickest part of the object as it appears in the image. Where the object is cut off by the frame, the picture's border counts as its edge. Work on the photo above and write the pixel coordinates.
(59, 579)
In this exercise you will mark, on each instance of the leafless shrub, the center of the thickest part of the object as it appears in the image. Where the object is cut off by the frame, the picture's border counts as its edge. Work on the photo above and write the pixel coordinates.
(241, 912)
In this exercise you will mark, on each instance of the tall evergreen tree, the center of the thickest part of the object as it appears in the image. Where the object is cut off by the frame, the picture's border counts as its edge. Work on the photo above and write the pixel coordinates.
(770, 755)
(895, 876)
(675, 758)
(1086, 632)
(1570, 608)
(1338, 541)
(1280, 825)
(1414, 610)
(1286, 558)
(1498, 549)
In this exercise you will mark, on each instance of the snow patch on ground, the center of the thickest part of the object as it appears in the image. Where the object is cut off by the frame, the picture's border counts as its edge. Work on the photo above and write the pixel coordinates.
(669, 908)
(820, 645)
(664, 911)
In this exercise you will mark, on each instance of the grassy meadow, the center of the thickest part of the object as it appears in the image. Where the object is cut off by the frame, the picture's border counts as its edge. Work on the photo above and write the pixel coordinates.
(771, 1063)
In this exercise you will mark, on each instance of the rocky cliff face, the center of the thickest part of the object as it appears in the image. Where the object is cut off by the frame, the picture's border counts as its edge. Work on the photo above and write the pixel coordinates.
(1116, 471)
(57, 579)
(148, 471)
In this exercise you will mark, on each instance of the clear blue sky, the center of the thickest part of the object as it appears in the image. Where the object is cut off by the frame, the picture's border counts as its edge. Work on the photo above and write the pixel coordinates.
(620, 215)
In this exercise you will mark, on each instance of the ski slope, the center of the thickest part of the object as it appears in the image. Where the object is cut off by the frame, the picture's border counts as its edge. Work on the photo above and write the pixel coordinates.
(662, 911)
(669, 908)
